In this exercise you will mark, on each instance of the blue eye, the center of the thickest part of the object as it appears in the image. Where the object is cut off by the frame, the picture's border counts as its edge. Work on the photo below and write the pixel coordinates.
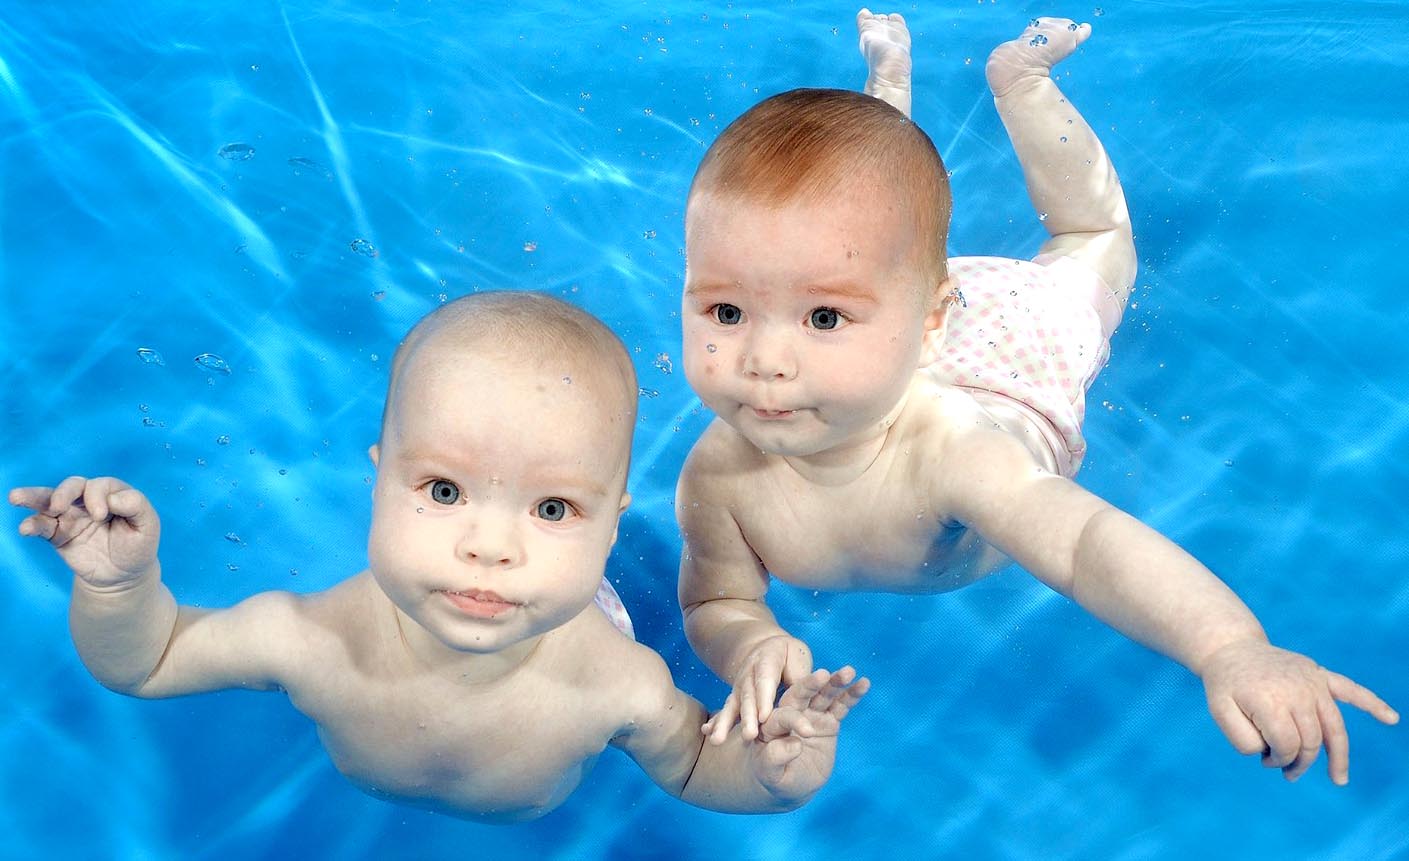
(445, 492)
(729, 315)
(552, 509)
(825, 318)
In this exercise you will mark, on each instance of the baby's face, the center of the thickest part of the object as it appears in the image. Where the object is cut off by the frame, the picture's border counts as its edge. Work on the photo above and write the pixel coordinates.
(803, 325)
(499, 485)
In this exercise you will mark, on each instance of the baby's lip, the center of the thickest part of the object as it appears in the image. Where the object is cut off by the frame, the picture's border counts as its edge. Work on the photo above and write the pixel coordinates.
(479, 602)
(481, 595)
(766, 413)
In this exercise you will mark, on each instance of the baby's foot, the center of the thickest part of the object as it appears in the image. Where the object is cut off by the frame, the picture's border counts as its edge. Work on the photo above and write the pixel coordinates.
(885, 43)
(1044, 44)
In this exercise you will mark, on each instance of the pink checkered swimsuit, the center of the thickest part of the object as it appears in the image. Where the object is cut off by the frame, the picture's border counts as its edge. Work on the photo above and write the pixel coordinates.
(609, 602)
(1035, 333)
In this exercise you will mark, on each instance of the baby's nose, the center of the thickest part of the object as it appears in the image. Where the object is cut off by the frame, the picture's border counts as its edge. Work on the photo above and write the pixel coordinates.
(492, 541)
(769, 357)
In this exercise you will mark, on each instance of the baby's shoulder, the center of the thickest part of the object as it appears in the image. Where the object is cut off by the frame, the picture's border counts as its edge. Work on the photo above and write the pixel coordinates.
(626, 678)
(719, 456)
(958, 436)
(341, 623)
(936, 412)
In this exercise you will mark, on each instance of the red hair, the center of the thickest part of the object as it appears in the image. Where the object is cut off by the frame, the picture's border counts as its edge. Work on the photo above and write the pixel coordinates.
(805, 144)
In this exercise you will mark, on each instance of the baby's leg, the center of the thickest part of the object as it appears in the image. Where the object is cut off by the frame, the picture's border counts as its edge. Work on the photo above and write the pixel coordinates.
(1069, 177)
(885, 43)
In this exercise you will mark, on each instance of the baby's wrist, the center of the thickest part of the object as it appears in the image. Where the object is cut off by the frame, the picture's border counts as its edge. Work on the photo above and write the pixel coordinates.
(1209, 657)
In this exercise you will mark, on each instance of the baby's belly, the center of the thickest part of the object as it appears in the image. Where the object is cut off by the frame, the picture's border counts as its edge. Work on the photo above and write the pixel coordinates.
(907, 564)
(463, 778)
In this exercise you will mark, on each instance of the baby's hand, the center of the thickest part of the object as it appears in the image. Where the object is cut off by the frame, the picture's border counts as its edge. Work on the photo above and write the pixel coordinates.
(796, 745)
(775, 661)
(106, 531)
(1044, 44)
(1281, 704)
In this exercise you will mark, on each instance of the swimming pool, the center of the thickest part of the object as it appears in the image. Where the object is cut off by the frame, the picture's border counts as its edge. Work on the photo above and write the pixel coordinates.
(288, 186)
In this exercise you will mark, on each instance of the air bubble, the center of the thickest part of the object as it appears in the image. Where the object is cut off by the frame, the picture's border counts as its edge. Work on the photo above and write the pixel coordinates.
(363, 247)
(662, 363)
(648, 393)
(150, 356)
(236, 152)
(212, 362)
(1039, 39)
(710, 348)
(233, 538)
(300, 164)
(223, 439)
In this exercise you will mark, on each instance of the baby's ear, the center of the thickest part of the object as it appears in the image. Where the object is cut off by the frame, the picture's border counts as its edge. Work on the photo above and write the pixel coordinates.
(625, 501)
(937, 320)
(374, 451)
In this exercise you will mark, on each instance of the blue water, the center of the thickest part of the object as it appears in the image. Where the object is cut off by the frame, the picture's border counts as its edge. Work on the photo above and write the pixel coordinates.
(1254, 409)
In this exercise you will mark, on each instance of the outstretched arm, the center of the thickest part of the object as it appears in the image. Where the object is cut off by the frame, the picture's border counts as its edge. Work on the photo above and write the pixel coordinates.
(1069, 177)
(121, 615)
(126, 626)
(1265, 699)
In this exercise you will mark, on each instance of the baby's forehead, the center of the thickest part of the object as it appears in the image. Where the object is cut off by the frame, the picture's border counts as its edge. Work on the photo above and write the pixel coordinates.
(583, 383)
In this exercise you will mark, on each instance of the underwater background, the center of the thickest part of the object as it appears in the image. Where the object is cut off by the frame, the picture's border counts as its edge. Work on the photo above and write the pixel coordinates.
(217, 220)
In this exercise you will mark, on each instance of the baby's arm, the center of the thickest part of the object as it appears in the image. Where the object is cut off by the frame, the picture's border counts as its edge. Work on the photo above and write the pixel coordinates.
(125, 623)
(722, 585)
(1264, 699)
(785, 765)
(1069, 177)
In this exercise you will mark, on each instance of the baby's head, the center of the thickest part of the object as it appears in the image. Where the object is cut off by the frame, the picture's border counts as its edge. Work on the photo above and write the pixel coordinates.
(501, 468)
(816, 278)
(833, 150)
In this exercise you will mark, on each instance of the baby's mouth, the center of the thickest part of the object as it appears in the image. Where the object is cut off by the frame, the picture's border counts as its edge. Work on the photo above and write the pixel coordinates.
(478, 603)
(772, 414)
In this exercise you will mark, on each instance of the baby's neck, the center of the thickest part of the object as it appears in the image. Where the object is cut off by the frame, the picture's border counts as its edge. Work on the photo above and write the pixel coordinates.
(849, 460)
(431, 656)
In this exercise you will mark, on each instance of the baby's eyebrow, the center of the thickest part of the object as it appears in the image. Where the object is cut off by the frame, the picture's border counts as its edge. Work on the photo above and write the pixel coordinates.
(695, 288)
(844, 290)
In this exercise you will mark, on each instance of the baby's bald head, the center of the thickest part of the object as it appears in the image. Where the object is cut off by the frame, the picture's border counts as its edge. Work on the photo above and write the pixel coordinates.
(518, 326)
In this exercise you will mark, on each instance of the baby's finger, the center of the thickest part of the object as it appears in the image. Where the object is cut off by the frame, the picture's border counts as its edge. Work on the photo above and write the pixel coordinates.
(787, 722)
(130, 504)
(833, 684)
(1280, 733)
(718, 726)
(1348, 691)
(1235, 725)
(96, 494)
(36, 498)
(766, 674)
(40, 526)
(783, 750)
(1336, 740)
(850, 697)
(63, 497)
(748, 710)
(1308, 726)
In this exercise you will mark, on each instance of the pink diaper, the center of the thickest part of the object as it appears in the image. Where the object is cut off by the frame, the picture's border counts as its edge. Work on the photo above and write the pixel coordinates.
(1035, 332)
(610, 603)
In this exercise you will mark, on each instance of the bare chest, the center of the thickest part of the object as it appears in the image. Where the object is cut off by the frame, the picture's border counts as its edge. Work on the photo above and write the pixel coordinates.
(874, 535)
(509, 756)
